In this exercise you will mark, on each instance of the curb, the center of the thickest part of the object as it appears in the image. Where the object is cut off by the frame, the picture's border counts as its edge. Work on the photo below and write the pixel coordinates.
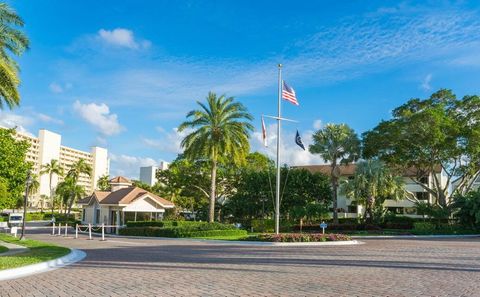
(73, 257)
(233, 242)
(414, 236)
(13, 249)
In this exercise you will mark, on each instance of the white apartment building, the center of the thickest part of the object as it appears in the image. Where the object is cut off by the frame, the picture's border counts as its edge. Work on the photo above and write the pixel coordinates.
(47, 146)
(148, 173)
(348, 208)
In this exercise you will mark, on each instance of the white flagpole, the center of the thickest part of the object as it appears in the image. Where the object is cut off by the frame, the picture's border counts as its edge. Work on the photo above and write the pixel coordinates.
(277, 198)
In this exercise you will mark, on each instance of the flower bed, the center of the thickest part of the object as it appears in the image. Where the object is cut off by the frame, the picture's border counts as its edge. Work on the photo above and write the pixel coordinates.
(302, 237)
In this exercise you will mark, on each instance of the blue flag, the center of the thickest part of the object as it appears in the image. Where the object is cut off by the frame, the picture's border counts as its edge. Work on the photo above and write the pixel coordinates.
(298, 141)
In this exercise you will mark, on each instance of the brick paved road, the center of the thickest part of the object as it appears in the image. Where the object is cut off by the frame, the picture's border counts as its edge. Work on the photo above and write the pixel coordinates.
(139, 267)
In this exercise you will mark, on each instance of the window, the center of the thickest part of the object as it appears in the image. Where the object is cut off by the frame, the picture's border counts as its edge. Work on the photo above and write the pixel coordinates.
(395, 210)
(421, 195)
(97, 216)
(352, 209)
(424, 180)
(410, 210)
(83, 215)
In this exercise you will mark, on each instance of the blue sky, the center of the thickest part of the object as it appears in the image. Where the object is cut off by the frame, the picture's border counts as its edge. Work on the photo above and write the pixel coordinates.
(123, 75)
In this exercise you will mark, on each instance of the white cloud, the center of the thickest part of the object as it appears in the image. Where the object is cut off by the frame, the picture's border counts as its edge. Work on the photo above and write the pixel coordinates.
(99, 116)
(317, 124)
(11, 120)
(59, 88)
(122, 38)
(48, 119)
(426, 83)
(168, 141)
(129, 166)
(290, 152)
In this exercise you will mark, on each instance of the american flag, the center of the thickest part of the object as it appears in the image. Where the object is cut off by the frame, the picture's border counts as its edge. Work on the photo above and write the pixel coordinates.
(288, 93)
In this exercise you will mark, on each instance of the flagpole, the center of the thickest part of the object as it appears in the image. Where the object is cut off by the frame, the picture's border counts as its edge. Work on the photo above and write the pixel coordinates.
(277, 192)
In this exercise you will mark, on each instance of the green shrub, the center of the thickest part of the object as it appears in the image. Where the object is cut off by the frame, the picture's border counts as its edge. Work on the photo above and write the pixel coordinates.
(267, 225)
(178, 232)
(191, 225)
(421, 228)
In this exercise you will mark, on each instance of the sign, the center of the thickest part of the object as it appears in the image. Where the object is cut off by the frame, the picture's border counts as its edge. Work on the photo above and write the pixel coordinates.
(323, 225)
(13, 231)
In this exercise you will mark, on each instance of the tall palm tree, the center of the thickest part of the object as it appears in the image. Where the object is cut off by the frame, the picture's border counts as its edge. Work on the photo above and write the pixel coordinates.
(81, 167)
(103, 183)
(34, 185)
(336, 143)
(373, 181)
(69, 192)
(13, 41)
(220, 130)
(52, 168)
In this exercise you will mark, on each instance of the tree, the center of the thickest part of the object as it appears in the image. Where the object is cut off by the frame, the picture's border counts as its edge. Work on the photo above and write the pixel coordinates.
(5, 201)
(103, 183)
(336, 144)
(220, 130)
(13, 167)
(34, 186)
(69, 192)
(437, 133)
(52, 168)
(372, 183)
(81, 167)
(142, 185)
(16, 42)
(466, 209)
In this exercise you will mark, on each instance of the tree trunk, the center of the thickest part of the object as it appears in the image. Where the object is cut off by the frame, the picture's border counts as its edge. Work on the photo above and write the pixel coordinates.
(51, 196)
(70, 204)
(334, 181)
(370, 204)
(211, 213)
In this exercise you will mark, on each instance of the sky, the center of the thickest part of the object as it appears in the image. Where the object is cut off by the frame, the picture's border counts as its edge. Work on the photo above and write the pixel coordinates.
(124, 74)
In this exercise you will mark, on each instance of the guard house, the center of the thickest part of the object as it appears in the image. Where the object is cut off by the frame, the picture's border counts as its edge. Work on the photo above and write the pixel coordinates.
(121, 204)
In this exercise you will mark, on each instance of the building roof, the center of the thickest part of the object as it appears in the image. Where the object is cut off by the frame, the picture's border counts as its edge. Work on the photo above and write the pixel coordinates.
(348, 170)
(124, 196)
(120, 180)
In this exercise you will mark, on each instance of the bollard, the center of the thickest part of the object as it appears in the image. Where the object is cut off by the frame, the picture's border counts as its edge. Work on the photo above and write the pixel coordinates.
(103, 232)
(76, 231)
(53, 228)
(59, 228)
(90, 231)
(66, 228)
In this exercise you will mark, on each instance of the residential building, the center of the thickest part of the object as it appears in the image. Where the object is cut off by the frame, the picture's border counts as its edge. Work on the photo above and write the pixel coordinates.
(46, 147)
(122, 203)
(148, 173)
(348, 207)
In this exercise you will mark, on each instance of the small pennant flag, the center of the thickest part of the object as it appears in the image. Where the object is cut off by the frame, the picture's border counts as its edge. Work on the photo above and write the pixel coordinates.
(298, 141)
(264, 133)
(288, 93)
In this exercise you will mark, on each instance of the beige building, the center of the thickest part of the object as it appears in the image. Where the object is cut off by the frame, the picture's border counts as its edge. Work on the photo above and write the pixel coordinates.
(348, 207)
(121, 204)
(46, 147)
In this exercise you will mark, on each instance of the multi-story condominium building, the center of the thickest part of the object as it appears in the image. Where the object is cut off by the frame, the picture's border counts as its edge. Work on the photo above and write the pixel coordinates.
(348, 207)
(148, 173)
(46, 147)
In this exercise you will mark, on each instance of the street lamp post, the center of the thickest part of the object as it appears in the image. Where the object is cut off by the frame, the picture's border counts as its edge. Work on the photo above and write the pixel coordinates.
(28, 182)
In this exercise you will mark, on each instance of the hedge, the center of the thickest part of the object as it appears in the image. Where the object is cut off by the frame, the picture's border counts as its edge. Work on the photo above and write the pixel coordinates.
(192, 225)
(427, 228)
(338, 227)
(177, 232)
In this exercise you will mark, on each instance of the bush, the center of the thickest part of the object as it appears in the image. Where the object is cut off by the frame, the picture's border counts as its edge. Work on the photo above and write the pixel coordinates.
(441, 229)
(199, 226)
(267, 225)
(338, 227)
(178, 232)
(302, 237)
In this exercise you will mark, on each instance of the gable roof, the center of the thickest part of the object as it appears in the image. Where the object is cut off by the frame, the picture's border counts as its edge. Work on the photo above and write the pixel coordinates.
(125, 196)
(120, 180)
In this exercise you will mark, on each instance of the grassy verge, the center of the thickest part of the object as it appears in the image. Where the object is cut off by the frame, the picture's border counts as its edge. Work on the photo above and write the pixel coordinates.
(39, 252)
(232, 237)
(3, 249)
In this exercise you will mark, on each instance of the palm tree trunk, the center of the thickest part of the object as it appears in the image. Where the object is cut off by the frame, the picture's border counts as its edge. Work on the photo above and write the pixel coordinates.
(211, 212)
(335, 194)
(51, 195)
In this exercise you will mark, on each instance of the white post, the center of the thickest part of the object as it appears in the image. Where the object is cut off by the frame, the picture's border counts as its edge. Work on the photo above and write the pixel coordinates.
(90, 231)
(53, 228)
(76, 231)
(59, 228)
(66, 228)
(277, 193)
(103, 231)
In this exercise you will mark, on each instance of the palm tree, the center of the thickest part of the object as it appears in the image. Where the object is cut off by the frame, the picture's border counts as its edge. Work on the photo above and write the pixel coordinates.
(220, 130)
(73, 175)
(16, 42)
(52, 168)
(336, 143)
(103, 183)
(69, 191)
(373, 181)
(34, 185)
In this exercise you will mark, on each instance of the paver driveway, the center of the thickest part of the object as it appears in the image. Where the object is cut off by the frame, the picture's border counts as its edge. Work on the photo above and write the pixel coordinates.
(144, 267)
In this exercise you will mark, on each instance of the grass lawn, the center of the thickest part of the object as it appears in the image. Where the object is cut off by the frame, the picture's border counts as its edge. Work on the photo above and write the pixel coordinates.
(39, 252)
(3, 249)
